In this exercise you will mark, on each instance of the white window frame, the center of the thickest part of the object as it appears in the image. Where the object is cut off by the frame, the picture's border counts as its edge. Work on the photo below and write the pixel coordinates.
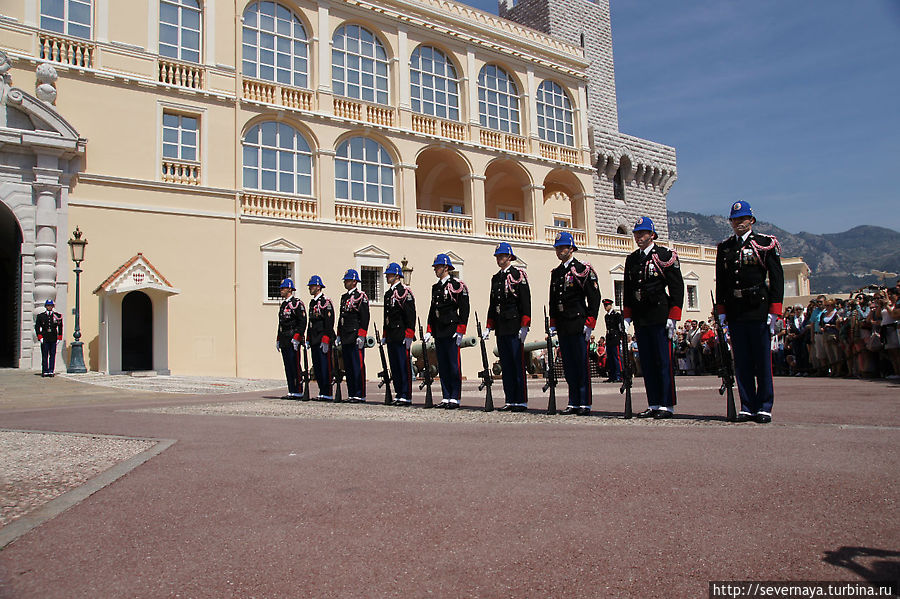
(564, 217)
(297, 39)
(501, 96)
(182, 7)
(554, 107)
(445, 205)
(279, 250)
(67, 21)
(424, 98)
(354, 60)
(691, 279)
(180, 132)
(617, 274)
(281, 152)
(361, 162)
(514, 211)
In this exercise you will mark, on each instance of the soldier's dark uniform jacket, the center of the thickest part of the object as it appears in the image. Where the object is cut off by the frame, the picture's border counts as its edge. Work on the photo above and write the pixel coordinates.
(449, 312)
(574, 297)
(49, 325)
(742, 269)
(510, 304)
(614, 321)
(321, 320)
(291, 320)
(653, 286)
(354, 318)
(399, 313)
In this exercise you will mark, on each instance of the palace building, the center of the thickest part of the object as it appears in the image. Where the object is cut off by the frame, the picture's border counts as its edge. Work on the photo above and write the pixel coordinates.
(208, 149)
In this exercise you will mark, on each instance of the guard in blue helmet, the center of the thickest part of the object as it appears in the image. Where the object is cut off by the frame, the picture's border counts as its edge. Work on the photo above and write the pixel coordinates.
(399, 332)
(353, 324)
(509, 315)
(574, 305)
(291, 333)
(48, 327)
(447, 320)
(749, 296)
(320, 336)
(653, 294)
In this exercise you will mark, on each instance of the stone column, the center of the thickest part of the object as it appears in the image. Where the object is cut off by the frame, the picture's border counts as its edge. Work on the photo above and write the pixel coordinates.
(325, 162)
(584, 203)
(323, 49)
(45, 256)
(474, 201)
(534, 208)
(408, 201)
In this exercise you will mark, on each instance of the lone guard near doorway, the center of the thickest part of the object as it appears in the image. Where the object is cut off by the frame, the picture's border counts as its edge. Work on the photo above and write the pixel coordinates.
(49, 329)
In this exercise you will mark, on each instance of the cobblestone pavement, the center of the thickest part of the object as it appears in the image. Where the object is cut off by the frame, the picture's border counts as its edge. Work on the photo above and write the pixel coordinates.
(200, 385)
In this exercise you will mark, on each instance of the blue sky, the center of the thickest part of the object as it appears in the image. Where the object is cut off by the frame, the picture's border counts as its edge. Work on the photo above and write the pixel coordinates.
(793, 106)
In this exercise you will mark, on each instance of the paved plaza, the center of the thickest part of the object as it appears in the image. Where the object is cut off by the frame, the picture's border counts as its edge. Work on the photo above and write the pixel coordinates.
(113, 487)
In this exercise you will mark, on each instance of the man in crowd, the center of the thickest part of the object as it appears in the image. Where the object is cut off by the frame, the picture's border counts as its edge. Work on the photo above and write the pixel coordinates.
(399, 332)
(320, 335)
(447, 320)
(353, 324)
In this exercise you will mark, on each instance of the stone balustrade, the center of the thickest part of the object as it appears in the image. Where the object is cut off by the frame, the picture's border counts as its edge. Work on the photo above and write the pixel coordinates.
(561, 153)
(367, 215)
(509, 230)
(65, 50)
(181, 74)
(280, 207)
(181, 171)
(443, 222)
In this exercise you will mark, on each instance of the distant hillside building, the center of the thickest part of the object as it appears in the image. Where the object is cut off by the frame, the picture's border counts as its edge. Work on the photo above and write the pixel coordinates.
(208, 151)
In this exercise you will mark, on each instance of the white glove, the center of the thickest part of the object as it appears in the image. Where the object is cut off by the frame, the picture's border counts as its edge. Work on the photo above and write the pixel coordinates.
(277, 346)
(324, 348)
(721, 320)
(552, 331)
(296, 344)
(627, 323)
(337, 341)
(587, 333)
(486, 334)
(426, 338)
(407, 341)
(458, 338)
(670, 328)
(523, 332)
(773, 320)
(360, 342)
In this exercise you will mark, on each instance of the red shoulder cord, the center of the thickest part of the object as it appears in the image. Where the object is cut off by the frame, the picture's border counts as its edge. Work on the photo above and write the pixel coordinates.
(512, 280)
(663, 265)
(401, 298)
(353, 304)
(757, 248)
(582, 276)
(455, 292)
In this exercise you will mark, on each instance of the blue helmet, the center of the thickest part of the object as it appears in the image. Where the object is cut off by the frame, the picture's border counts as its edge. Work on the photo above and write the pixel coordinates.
(288, 284)
(504, 248)
(443, 260)
(351, 275)
(645, 224)
(394, 269)
(49, 302)
(739, 209)
(315, 280)
(564, 238)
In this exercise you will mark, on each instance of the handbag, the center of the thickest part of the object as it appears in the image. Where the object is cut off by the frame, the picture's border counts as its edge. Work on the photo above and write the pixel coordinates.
(873, 343)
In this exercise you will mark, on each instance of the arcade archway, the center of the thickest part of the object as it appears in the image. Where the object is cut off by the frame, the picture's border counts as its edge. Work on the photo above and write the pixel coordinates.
(10, 288)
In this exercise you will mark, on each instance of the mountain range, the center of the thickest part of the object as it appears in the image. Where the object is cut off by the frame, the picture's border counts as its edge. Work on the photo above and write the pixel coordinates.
(838, 262)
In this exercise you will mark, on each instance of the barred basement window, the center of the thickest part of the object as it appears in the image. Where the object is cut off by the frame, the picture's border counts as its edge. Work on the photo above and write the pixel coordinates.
(692, 297)
(619, 291)
(372, 282)
(278, 271)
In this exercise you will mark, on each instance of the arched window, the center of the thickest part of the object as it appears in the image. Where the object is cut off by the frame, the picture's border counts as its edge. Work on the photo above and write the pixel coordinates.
(434, 89)
(69, 17)
(359, 65)
(275, 47)
(498, 100)
(277, 158)
(554, 114)
(179, 29)
(363, 172)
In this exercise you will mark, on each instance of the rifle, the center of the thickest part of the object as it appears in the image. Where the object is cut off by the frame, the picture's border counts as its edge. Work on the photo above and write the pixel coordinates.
(549, 373)
(384, 374)
(338, 356)
(486, 379)
(305, 375)
(726, 366)
(625, 357)
(427, 379)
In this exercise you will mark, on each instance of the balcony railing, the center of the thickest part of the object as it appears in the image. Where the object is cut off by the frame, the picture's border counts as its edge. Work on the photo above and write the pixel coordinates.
(359, 111)
(509, 230)
(271, 93)
(181, 74)
(444, 222)
(367, 215)
(272, 206)
(503, 141)
(686, 250)
(561, 153)
(438, 127)
(181, 171)
(619, 243)
(78, 53)
(579, 235)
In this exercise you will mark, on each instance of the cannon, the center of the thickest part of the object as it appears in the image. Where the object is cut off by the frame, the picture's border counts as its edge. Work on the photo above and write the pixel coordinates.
(417, 346)
(532, 346)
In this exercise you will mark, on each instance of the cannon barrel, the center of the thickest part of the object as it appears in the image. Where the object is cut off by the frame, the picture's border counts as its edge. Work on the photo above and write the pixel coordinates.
(532, 346)
(416, 350)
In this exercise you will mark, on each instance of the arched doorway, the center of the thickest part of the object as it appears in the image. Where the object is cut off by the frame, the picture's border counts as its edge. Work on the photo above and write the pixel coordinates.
(137, 332)
(10, 287)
